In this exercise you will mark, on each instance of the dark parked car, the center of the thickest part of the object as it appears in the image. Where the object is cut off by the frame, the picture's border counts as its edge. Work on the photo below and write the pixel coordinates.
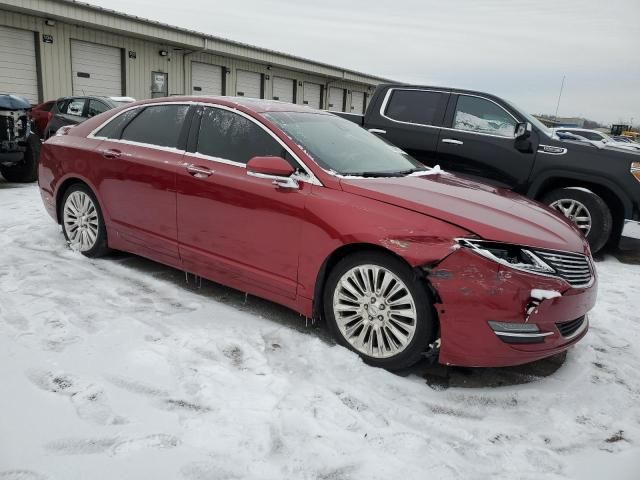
(485, 137)
(75, 110)
(19, 146)
(311, 211)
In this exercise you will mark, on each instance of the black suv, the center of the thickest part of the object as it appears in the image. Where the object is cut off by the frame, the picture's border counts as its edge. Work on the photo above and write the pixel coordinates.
(19, 146)
(482, 136)
(75, 110)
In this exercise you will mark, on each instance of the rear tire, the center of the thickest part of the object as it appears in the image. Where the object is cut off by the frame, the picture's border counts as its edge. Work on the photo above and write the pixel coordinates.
(82, 221)
(389, 319)
(577, 204)
(25, 171)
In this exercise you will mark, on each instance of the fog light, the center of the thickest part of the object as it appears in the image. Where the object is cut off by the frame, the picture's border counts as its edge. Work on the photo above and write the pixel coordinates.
(518, 332)
(514, 327)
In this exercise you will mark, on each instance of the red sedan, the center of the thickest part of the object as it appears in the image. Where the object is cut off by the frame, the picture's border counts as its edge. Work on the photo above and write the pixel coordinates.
(311, 211)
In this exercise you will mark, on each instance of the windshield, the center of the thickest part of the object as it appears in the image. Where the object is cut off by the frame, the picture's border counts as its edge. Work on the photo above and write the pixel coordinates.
(533, 120)
(342, 146)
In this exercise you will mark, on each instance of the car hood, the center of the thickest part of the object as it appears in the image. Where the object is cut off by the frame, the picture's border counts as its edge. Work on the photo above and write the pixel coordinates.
(491, 213)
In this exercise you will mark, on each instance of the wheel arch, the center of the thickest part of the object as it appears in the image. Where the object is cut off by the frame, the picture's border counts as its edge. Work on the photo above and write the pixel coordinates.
(348, 249)
(63, 187)
(618, 203)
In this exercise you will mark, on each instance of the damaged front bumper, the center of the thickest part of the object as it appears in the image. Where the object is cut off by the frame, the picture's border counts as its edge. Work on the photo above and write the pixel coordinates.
(492, 315)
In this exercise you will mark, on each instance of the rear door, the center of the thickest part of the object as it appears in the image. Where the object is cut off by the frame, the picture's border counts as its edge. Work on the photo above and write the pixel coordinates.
(68, 111)
(480, 142)
(141, 152)
(411, 118)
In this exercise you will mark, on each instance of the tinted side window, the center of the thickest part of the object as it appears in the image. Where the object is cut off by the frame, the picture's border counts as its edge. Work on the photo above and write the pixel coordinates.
(476, 114)
(113, 129)
(426, 108)
(230, 136)
(157, 125)
(96, 107)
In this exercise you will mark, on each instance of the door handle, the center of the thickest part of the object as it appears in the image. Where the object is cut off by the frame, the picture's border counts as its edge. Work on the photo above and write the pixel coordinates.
(199, 172)
(378, 130)
(452, 141)
(111, 153)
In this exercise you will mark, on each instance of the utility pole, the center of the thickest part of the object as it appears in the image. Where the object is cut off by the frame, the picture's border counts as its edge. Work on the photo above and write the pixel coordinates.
(559, 97)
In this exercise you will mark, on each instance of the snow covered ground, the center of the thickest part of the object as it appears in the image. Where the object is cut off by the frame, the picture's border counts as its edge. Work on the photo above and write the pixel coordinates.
(115, 369)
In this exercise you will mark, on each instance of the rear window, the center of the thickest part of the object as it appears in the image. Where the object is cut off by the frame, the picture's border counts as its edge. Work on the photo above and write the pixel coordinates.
(113, 129)
(417, 106)
(157, 125)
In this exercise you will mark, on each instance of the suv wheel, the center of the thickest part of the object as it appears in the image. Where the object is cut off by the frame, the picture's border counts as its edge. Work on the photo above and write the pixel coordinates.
(586, 210)
(27, 170)
(376, 307)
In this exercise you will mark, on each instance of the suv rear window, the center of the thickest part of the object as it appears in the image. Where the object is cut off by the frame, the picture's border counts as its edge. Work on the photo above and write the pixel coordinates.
(417, 106)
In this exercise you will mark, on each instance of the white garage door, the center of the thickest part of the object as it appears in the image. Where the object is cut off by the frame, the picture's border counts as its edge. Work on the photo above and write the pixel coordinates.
(312, 95)
(357, 102)
(248, 84)
(336, 99)
(283, 89)
(97, 69)
(18, 73)
(206, 79)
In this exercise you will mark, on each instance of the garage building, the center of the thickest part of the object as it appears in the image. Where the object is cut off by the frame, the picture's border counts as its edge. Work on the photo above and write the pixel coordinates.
(55, 48)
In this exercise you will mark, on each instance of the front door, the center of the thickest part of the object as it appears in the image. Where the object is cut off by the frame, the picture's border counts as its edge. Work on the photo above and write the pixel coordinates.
(480, 143)
(233, 228)
(139, 159)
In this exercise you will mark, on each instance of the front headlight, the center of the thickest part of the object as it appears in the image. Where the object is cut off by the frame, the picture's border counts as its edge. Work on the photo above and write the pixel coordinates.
(511, 256)
(635, 170)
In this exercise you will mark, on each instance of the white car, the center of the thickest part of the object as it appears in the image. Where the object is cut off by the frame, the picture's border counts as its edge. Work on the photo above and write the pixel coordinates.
(597, 138)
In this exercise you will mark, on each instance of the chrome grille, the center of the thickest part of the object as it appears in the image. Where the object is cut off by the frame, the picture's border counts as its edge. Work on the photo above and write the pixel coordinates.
(573, 267)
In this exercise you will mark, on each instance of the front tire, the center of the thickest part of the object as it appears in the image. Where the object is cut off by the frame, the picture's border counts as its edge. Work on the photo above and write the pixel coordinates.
(586, 210)
(82, 221)
(25, 171)
(376, 306)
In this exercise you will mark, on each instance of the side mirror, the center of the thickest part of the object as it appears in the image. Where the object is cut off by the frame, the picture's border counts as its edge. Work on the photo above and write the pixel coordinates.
(523, 130)
(273, 168)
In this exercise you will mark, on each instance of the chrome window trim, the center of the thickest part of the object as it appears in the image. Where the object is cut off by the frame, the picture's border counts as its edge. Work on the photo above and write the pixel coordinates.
(311, 178)
(387, 98)
(483, 133)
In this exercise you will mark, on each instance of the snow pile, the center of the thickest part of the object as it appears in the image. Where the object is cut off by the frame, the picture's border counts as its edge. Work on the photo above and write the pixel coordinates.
(114, 369)
(467, 121)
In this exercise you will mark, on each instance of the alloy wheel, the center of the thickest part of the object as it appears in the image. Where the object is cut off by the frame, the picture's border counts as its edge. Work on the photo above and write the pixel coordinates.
(80, 219)
(575, 211)
(374, 311)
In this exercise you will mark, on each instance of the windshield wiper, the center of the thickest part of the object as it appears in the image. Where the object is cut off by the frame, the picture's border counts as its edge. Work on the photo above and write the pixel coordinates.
(373, 174)
(386, 174)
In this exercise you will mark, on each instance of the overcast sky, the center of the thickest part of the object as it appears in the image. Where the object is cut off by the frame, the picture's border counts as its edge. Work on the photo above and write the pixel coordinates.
(514, 48)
